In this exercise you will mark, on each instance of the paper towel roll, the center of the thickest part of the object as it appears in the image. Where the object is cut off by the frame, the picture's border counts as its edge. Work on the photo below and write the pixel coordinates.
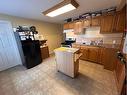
(125, 45)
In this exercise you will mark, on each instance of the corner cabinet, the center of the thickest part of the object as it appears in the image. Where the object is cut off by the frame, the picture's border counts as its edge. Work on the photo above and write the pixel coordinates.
(107, 23)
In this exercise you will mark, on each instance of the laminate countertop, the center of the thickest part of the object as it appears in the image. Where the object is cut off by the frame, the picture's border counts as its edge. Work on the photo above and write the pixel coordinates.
(117, 46)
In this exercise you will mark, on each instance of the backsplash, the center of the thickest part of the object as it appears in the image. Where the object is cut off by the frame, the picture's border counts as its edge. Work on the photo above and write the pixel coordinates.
(93, 34)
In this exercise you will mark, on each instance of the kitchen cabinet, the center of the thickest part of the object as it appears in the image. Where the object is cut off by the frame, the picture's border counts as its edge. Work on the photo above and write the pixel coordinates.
(78, 27)
(119, 74)
(44, 52)
(76, 46)
(109, 57)
(120, 21)
(66, 26)
(89, 53)
(84, 51)
(86, 23)
(107, 23)
(100, 55)
(95, 21)
(93, 53)
(69, 25)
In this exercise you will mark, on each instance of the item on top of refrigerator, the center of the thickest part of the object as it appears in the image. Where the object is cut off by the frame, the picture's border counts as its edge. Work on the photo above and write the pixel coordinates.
(76, 18)
(68, 20)
(111, 10)
(104, 11)
(26, 32)
(85, 15)
(97, 13)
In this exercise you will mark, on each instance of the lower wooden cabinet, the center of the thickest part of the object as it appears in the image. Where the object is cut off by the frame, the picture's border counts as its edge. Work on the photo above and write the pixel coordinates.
(93, 54)
(99, 55)
(89, 53)
(84, 54)
(120, 75)
(109, 57)
(45, 52)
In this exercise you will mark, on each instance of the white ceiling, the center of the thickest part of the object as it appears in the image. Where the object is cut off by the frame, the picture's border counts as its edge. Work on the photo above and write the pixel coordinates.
(33, 9)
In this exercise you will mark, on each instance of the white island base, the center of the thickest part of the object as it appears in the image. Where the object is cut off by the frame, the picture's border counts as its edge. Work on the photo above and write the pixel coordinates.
(67, 60)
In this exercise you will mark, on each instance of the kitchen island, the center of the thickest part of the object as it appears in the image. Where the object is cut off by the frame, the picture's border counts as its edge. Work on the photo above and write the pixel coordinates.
(67, 60)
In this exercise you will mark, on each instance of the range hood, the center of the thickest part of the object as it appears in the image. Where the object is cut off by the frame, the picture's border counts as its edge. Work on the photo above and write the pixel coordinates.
(68, 30)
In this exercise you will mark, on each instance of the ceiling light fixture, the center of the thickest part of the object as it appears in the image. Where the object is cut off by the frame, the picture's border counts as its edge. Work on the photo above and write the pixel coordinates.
(63, 7)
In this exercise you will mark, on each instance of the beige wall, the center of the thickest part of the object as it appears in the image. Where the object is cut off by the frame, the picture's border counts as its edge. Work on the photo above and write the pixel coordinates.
(52, 32)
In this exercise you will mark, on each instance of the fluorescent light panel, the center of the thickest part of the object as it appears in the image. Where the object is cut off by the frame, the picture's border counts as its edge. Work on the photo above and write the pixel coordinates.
(63, 7)
(61, 10)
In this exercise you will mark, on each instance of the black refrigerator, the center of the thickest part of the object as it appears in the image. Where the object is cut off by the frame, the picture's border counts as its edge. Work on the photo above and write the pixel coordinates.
(32, 53)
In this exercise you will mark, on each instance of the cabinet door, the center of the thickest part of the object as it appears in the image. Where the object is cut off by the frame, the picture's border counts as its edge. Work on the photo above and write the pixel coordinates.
(93, 54)
(107, 23)
(71, 25)
(120, 74)
(84, 55)
(86, 23)
(120, 21)
(78, 27)
(109, 53)
(84, 51)
(66, 26)
(76, 46)
(45, 52)
(95, 21)
(100, 55)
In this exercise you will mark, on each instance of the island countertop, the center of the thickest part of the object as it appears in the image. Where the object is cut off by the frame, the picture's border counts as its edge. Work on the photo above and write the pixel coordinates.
(66, 49)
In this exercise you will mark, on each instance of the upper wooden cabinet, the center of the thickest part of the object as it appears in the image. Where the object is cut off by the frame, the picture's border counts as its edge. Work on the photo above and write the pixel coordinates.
(107, 23)
(95, 21)
(120, 21)
(86, 23)
(68, 25)
(78, 27)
